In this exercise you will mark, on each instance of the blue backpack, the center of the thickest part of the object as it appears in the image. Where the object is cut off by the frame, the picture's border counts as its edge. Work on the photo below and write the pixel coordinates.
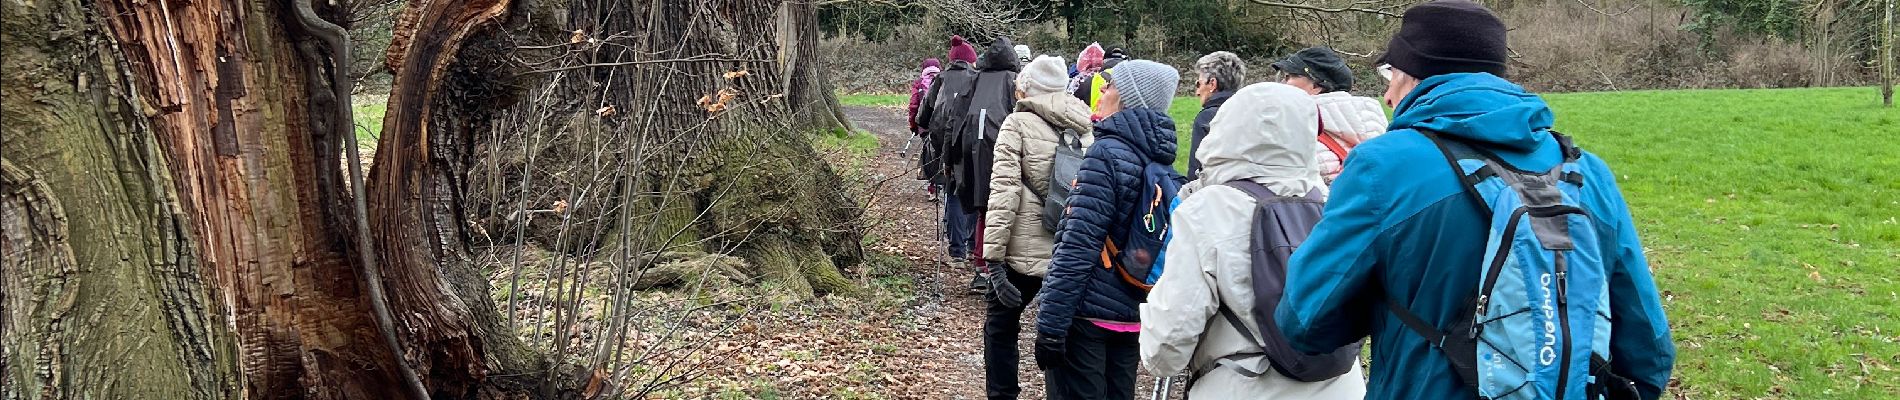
(1137, 253)
(1539, 324)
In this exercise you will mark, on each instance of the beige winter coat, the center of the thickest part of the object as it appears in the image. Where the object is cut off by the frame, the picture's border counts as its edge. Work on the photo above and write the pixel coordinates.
(1025, 151)
(1263, 134)
(1350, 121)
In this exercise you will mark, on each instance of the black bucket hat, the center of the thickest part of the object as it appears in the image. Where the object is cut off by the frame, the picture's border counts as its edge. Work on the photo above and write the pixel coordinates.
(1320, 64)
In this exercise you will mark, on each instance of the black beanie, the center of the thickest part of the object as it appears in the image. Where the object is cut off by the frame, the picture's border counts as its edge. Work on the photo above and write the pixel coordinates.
(1448, 36)
(1320, 64)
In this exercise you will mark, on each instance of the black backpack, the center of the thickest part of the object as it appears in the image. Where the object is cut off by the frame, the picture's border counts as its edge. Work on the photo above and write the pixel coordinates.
(992, 98)
(1280, 225)
(1064, 166)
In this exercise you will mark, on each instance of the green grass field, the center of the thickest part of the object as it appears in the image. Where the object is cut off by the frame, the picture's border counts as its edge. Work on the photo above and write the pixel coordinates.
(1772, 223)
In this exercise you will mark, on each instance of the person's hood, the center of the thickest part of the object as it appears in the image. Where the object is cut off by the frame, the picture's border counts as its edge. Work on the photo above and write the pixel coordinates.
(1001, 56)
(1479, 108)
(1150, 132)
(1217, 99)
(1265, 133)
(932, 63)
(1061, 109)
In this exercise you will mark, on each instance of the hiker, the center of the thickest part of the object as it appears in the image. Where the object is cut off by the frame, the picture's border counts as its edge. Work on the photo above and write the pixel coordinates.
(992, 98)
(1016, 240)
(1218, 75)
(1088, 62)
(940, 113)
(1115, 55)
(1023, 56)
(1203, 316)
(1086, 328)
(1405, 240)
(918, 89)
(1345, 120)
(1085, 83)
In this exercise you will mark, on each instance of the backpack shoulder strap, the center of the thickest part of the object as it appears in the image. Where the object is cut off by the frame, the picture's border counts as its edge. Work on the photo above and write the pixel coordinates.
(1260, 195)
(1454, 151)
(1571, 154)
(1330, 142)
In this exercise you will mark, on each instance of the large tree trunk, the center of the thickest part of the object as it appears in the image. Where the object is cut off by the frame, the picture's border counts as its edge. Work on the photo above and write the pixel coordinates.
(176, 222)
(653, 126)
(102, 294)
(175, 200)
(808, 87)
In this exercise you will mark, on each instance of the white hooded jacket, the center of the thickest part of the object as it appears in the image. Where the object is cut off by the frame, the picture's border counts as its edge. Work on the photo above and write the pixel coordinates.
(1350, 120)
(1263, 134)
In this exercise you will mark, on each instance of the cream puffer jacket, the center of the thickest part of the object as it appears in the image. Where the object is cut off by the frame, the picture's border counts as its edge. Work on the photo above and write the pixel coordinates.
(1349, 120)
(1263, 134)
(1025, 152)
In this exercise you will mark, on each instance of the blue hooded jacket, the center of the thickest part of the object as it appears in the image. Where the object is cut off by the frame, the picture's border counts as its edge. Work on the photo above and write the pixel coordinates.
(1106, 193)
(1399, 226)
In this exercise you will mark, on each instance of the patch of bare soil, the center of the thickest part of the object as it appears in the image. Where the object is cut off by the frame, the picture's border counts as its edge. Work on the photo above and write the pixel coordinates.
(913, 333)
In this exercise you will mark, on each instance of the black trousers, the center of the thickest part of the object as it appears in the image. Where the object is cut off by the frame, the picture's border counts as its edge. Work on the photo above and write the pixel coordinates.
(1001, 331)
(1100, 365)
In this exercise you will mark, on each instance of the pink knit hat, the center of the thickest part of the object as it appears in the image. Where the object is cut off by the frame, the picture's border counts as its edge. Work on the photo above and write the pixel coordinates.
(1090, 61)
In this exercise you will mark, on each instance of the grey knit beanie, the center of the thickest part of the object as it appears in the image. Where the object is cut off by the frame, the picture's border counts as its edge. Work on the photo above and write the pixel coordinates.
(1144, 84)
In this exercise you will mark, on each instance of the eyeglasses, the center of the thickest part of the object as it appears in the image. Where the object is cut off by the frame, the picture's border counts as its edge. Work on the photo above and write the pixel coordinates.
(1385, 71)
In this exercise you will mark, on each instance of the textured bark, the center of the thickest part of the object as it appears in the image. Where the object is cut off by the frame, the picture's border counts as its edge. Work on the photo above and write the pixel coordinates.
(808, 87)
(101, 294)
(441, 298)
(232, 111)
(175, 222)
(687, 142)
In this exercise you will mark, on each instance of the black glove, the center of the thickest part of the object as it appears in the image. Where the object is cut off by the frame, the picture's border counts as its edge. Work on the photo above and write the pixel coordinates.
(1050, 352)
(1002, 291)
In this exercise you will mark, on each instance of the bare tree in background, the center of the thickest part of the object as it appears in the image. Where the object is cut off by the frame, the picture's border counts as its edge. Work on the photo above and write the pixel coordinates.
(982, 18)
(1887, 58)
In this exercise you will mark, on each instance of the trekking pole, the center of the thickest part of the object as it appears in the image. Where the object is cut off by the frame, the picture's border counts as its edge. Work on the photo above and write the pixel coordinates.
(1161, 388)
(905, 153)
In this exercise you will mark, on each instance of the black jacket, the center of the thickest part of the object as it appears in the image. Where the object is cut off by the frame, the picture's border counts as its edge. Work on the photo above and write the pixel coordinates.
(942, 110)
(992, 97)
(1201, 121)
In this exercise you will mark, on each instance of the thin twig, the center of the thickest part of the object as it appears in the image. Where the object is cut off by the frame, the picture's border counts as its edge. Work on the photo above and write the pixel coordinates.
(1327, 9)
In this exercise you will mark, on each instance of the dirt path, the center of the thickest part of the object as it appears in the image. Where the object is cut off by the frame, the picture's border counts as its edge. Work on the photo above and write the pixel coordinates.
(944, 354)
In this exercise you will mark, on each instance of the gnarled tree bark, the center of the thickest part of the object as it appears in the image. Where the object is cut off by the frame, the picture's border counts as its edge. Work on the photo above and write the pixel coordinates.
(102, 294)
(175, 220)
(657, 126)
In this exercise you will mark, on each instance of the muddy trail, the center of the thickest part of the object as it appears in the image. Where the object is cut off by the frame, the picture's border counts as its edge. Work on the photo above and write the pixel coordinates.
(945, 354)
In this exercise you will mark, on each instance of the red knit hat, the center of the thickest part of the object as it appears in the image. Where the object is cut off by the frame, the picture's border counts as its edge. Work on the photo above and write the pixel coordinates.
(961, 51)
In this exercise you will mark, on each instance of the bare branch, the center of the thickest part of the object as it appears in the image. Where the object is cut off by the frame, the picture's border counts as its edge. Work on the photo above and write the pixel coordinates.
(1357, 9)
(699, 58)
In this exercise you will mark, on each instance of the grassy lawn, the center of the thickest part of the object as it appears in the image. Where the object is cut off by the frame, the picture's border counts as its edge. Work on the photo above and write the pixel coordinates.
(1772, 221)
(369, 118)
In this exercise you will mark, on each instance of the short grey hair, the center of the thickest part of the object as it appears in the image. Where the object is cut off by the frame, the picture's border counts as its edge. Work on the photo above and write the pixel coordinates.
(1226, 68)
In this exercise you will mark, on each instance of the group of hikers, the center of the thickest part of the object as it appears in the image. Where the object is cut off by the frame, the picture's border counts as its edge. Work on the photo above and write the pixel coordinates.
(1484, 254)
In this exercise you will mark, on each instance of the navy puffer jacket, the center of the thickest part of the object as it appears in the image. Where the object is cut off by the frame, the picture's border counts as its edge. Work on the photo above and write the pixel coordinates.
(1105, 196)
